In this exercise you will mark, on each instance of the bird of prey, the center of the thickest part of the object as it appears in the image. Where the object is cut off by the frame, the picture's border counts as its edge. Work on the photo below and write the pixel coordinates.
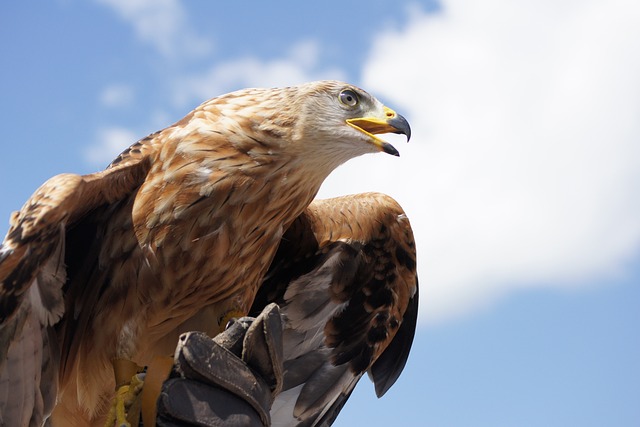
(345, 280)
(107, 269)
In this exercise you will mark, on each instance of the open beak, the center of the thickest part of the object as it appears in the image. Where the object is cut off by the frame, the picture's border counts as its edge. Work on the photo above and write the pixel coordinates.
(392, 122)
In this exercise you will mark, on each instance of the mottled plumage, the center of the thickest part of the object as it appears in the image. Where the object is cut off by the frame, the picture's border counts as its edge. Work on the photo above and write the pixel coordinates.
(174, 235)
(345, 279)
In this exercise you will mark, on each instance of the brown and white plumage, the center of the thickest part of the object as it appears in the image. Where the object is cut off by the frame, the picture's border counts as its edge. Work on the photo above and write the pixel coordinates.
(178, 232)
(345, 279)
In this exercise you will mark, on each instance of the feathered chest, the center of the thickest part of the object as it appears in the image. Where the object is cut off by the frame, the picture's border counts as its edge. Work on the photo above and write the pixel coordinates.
(205, 231)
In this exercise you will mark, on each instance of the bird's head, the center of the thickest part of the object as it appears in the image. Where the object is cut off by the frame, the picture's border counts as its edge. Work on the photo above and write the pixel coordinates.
(341, 120)
(319, 125)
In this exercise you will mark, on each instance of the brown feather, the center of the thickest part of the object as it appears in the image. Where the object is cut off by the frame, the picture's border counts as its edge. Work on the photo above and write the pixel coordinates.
(345, 279)
(178, 230)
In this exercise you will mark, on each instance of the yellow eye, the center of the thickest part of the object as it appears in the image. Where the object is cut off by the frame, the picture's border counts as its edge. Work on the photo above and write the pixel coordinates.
(348, 98)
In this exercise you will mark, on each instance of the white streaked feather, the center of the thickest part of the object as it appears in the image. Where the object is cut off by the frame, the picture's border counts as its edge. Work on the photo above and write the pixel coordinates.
(29, 374)
(309, 302)
(5, 248)
(28, 380)
(347, 384)
(312, 383)
(314, 397)
(282, 408)
(322, 389)
(45, 292)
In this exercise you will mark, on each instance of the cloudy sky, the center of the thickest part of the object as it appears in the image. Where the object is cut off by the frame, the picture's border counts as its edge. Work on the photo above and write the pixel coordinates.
(522, 178)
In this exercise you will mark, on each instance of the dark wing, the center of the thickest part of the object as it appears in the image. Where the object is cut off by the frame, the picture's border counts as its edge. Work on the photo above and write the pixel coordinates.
(388, 367)
(345, 279)
(33, 274)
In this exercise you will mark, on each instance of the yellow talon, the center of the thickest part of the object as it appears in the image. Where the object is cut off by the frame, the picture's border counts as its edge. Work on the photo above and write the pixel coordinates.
(125, 398)
(119, 407)
(128, 387)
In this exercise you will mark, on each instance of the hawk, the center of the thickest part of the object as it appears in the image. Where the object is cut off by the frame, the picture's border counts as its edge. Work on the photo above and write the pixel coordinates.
(177, 234)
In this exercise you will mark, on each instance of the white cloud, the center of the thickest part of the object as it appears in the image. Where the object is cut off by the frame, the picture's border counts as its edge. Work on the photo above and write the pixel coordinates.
(163, 24)
(300, 64)
(109, 143)
(524, 169)
(117, 95)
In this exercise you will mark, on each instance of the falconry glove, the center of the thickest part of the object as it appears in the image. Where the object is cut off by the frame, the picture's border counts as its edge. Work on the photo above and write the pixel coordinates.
(229, 380)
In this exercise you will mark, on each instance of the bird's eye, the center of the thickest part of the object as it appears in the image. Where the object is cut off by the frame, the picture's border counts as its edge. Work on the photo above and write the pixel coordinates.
(348, 98)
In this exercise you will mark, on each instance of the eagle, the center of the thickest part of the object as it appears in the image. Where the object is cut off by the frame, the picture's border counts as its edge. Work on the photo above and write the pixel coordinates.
(178, 233)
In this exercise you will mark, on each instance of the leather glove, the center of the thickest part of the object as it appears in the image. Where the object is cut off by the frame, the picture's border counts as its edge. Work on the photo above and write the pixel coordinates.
(229, 380)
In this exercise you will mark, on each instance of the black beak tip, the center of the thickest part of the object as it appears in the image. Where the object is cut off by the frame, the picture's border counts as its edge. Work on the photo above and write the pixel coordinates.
(402, 126)
(390, 149)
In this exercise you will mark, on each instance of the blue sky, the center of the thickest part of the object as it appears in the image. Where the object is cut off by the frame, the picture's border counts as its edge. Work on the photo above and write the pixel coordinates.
(521, 179)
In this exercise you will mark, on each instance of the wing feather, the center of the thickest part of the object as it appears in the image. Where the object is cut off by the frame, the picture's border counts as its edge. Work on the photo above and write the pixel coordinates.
(345, 279)
(33, 274)
(386, 370)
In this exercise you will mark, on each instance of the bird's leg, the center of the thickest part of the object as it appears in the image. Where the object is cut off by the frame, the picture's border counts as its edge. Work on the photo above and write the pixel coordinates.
(129, 382)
